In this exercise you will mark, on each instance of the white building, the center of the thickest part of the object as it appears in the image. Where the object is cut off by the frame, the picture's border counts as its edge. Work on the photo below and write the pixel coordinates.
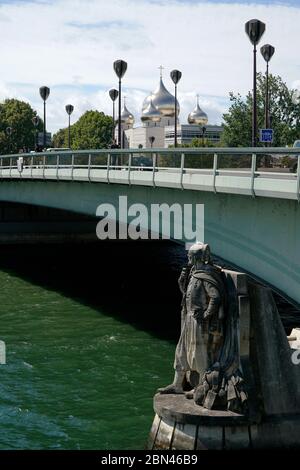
(187, 132)
(158, 123)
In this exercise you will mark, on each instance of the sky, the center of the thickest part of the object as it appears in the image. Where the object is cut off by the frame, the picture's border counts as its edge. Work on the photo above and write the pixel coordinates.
(70, 46)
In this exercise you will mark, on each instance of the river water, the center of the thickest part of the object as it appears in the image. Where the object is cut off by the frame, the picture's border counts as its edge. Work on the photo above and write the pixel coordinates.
(90, 332)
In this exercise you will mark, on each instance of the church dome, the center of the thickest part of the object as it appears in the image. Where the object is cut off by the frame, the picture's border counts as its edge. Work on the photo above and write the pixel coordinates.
(126, 117)
(197, 116)
(162, 100)
(151, 113)
(147, 101)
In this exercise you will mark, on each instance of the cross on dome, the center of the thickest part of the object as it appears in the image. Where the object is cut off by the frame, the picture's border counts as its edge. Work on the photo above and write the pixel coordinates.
(161, 68)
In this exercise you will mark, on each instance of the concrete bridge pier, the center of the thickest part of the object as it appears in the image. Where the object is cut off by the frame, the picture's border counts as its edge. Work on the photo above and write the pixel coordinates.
(272, 377)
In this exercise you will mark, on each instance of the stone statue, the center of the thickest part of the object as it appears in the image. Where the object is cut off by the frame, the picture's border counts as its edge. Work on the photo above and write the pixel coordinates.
(206, 356)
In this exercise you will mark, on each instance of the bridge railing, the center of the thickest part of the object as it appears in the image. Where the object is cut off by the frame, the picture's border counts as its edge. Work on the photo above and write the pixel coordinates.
(194, 168)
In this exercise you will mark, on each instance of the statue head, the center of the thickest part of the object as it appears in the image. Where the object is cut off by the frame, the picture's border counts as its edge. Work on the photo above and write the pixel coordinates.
(199, 253)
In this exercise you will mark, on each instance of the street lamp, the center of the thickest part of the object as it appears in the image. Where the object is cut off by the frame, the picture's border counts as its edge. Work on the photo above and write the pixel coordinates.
(203, 132)
(175, 76)
(35, 122)
(44, 92)
(9, 131)
(254, 29)
(267, 52)
(120, 67)
(69, 109)
(151, 140)
(113, 95)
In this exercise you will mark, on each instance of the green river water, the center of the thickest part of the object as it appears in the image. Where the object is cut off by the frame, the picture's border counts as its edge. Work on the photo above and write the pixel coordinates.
(82, 362)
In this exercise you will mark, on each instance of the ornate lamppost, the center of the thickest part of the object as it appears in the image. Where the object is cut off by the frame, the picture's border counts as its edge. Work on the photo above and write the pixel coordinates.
(175, 76)
(267, 52)
(151, 140)
(69, 109)
(254, 29)
(120, 67)
(44, 92)
(113, 95)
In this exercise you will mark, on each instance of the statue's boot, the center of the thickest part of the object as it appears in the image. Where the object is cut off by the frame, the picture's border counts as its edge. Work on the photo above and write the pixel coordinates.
(190, 394)
(176, 386)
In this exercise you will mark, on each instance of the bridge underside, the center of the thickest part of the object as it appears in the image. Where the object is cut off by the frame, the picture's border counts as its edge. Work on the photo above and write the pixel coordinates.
(259, 235)
(25, 223)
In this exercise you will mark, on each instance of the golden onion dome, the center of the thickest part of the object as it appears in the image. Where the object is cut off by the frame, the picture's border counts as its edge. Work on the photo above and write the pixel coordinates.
(147, 101)
(151, 113)
(163, 100)
(197, 116)
(126, 116)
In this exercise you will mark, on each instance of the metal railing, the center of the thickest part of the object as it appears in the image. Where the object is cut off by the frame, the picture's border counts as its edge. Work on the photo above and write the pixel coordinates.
(243, 162)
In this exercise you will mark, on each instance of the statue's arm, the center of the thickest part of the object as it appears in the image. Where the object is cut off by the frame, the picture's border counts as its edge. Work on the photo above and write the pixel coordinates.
(214, 300)
(183, 278)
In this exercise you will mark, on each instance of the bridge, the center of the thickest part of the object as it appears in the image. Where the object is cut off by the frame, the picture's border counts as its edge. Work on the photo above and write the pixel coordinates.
(251, 211)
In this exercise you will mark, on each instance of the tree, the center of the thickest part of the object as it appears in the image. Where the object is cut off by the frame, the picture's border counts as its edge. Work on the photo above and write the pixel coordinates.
(17, 115)
(196, 142)
(93, 130)
(284, 114)
(60, 139)
(201, 142)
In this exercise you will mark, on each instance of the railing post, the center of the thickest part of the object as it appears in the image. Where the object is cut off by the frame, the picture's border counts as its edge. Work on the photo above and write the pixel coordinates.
(20, 165)
(57, 166)
(108, 167)
(1, 165)
(298, 179)
(129, 168)
(253, 169)
(44, 164)
(215, 168)
(154, 167)
(72, 169)
(182, 169)
(31, 167)
(89, 167)
(10, 165)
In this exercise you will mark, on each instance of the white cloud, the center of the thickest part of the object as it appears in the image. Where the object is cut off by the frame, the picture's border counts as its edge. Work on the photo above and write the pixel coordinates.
(70, 45)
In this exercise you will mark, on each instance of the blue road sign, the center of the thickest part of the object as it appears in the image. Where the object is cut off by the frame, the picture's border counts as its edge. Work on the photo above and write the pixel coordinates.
(266, 135)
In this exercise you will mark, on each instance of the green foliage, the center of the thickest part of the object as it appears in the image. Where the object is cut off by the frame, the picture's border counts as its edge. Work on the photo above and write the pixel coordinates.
(285, 115)
(237, 123)
(17, 115)
(93, 130)
(199, 142)
(196, 142)
(60, 139)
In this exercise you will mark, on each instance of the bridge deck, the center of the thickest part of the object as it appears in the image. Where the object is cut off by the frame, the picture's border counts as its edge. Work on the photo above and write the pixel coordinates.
(261, 183)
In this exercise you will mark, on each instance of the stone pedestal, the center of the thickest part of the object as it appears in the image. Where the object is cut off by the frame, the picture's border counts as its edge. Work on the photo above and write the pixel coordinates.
(179, 424)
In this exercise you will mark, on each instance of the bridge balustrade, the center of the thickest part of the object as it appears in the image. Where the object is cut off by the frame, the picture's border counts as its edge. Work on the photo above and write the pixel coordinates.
(249, 171)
